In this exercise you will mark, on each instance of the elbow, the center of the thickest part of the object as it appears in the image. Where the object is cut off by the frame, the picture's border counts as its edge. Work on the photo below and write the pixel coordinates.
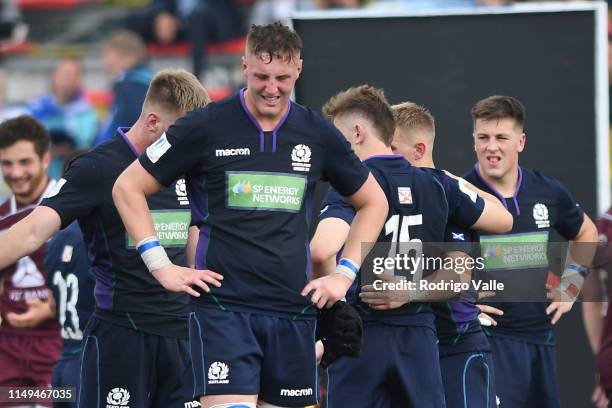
(507, 223)
(499, 224)
(320, 253)
(30, 235)
(32, 242)
(591, 230)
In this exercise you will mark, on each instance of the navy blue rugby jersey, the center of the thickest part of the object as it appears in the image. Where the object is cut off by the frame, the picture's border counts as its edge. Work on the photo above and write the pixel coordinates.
(70, 278)
(126, 293)
(464, 206)
(417, 210)
(251, 194)
(541, 208)
(457, 324)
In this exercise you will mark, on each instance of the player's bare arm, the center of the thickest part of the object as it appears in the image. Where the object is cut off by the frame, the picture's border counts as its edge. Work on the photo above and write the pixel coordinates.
(28, 235)
(192, 243)
(330, 236)
(129, 194)
(593, 308)
(581, 252)
(494, 218)
(371, 208)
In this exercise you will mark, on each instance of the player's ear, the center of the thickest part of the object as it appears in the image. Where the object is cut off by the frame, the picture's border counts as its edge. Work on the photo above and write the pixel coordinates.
(299, 64)
(46, 159)
(153, 122)
(419, 150)
(360, 133)
(244, 68)
(522, 141)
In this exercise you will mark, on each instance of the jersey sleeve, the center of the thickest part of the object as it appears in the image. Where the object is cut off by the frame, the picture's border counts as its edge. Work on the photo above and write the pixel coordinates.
(79, 191)
(461, 239)
(342, 168)
(464, 206)
(336, 206)
(570, 216)
(179, 150)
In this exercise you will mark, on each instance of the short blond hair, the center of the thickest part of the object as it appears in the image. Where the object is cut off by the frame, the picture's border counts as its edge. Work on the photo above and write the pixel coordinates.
(410, 116)
(176, 90)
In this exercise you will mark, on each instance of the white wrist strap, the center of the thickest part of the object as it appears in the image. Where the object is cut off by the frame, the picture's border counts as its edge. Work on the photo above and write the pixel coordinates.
(348, 268)
(152, 253)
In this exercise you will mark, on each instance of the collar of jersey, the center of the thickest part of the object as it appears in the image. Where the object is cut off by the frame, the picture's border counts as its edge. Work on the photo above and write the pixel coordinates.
(498, 194)
(259, 129)
(384, 156)
(121, 132)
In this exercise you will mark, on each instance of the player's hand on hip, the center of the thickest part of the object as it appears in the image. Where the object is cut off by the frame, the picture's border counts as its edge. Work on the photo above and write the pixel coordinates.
(560, 308)
(327, 290)
(319, 350)
(485, 315)
(180, 279)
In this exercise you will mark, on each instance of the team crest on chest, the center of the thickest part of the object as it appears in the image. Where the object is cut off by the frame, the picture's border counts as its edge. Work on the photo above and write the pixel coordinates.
(181, 192)
(300, 157)
(540, 215)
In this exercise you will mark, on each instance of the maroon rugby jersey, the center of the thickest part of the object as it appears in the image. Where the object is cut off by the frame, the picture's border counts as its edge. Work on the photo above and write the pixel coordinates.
(25, 279)
(603, 260)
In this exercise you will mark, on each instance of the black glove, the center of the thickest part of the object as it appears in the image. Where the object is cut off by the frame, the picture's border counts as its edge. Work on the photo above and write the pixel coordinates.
(340, 329)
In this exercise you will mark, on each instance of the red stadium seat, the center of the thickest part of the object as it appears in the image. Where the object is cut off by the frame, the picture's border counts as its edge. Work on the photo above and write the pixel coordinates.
(52, 4)
(233, 46)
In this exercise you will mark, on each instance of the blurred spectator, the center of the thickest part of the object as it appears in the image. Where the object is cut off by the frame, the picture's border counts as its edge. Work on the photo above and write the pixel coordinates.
(61, 147)
(124, 57)
(65, 109)
(12, 28)
(198, 22)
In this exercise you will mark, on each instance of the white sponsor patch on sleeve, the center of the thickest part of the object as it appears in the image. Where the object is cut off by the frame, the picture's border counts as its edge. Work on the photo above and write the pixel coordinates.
(465, 190)
(157, 149)
(53, 191)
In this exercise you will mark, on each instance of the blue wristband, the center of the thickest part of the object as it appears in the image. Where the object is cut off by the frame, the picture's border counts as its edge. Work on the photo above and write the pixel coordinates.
(578, 268)
(145, 247)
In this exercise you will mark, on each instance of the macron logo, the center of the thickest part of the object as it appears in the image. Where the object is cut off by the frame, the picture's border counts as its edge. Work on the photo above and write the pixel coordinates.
(245, 151)
(296, 393)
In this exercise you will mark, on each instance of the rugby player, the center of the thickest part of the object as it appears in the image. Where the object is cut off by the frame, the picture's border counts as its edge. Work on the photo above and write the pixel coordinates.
(136, 350)
(523, 342)
(29, 336)
(465, 354)
(71, 282)
(597, 311)
(251, 164)
(399, 361)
